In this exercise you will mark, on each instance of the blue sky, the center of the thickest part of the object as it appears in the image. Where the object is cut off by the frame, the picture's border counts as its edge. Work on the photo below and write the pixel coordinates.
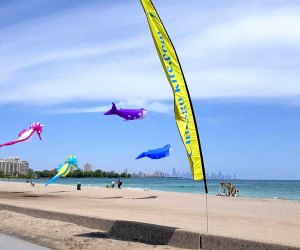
(64, 62)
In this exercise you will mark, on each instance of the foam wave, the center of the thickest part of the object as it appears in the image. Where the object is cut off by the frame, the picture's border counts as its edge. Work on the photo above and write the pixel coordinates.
(141, 189)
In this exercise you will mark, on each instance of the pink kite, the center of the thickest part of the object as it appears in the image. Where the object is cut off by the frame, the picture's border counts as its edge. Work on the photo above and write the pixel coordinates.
(25, 134)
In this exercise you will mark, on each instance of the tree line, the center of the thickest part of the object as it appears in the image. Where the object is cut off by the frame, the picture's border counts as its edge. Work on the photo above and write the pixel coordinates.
(75, 174)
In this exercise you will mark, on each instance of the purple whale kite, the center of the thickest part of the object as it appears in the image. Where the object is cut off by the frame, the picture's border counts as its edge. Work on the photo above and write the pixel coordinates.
(127, 114)
(157, 153)
(25, 134)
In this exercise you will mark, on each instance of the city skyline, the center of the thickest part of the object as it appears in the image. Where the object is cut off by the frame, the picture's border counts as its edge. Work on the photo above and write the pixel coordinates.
(11, 165)
(8, 166)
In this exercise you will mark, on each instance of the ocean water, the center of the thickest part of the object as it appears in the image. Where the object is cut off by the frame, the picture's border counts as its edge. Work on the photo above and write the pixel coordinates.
(274, 189)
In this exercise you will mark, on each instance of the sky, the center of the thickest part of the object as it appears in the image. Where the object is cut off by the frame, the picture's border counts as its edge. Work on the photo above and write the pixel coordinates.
(63, 63)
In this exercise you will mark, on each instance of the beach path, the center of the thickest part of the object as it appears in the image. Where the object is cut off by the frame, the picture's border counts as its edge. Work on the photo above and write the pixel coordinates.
(12, 243)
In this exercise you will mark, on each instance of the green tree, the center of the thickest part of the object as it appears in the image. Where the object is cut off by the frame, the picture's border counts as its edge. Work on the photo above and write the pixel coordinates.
(77, 173)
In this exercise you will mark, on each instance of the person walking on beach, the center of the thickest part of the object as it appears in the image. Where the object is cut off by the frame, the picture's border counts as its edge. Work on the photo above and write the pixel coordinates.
(119, 183)
(112, 184)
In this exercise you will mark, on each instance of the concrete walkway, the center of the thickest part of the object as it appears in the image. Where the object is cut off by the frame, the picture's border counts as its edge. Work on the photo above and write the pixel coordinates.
(11, 243)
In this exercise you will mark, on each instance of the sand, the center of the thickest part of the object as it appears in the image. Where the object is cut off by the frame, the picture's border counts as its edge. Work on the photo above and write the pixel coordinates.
(267, 220)
(62, 235)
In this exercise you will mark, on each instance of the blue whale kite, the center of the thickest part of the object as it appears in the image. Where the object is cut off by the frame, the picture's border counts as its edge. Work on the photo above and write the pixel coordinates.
(64, 169)
(156, 153)
(127, 114)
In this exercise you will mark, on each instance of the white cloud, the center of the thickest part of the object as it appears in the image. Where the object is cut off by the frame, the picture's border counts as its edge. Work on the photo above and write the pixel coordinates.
(248, 55)
(18, 64)
(279, 29)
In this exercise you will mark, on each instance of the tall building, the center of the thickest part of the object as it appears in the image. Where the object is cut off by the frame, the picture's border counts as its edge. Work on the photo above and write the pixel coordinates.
(159, 174)
(5, 166)
(24, 167)
(174, 173)
(87, 167)
(13, 165)
(13, 159)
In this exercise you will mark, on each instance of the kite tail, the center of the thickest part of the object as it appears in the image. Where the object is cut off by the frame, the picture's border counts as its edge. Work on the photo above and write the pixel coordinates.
(52, 180)
(8, 143)
(141, 156)
(112, 111)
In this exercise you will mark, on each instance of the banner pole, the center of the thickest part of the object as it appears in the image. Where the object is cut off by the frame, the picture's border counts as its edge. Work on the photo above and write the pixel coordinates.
(206, 213)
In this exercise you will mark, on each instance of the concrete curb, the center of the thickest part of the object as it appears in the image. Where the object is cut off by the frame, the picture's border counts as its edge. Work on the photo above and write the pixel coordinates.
(124, 230)
(149, 233)
(214, 242)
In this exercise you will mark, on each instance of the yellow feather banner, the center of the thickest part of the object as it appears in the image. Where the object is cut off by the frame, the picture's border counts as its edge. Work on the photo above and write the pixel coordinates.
(183, 108)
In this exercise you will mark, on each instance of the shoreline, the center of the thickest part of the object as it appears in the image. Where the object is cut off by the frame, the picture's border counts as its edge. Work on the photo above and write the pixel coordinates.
(266, 220)
(101, 185)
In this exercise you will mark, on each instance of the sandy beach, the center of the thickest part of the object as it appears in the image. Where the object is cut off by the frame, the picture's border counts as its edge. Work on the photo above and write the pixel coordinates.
(266, 220)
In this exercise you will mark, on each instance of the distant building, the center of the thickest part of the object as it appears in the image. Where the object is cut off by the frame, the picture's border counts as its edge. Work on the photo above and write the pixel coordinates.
(24, 167)
(134, 175)
(155, 174)
(159, 174)
(14, 165)
(5, 166)
(14, 159)
(187, 174)
(174, 173)
(220, 176)
(87, 167)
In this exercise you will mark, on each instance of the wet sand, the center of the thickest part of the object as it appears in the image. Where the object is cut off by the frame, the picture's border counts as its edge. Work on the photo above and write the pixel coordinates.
(266, 220)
